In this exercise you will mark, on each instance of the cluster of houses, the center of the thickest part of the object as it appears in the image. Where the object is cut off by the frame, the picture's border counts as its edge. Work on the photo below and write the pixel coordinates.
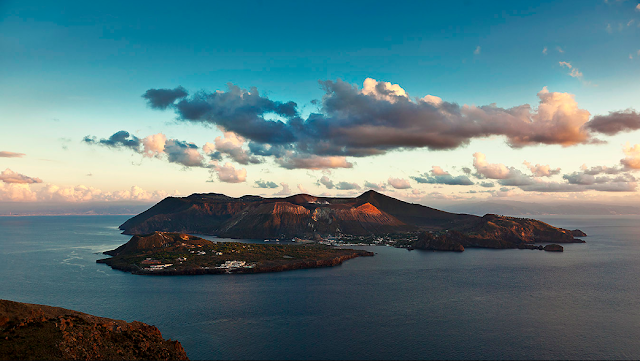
(235, 264)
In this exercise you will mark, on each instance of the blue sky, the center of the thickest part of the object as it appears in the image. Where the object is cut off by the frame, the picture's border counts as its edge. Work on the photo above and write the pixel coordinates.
(76, 69)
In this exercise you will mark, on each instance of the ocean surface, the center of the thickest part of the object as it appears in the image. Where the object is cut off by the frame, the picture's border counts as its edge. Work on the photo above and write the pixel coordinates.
(479, 304)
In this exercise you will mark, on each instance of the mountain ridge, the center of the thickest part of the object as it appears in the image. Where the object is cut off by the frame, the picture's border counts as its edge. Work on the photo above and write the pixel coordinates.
(300, 215)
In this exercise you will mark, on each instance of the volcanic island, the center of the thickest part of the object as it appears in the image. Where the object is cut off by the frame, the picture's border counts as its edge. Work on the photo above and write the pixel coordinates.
(321, 227)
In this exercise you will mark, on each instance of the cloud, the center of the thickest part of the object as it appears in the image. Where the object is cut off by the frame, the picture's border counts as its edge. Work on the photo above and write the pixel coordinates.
(5, 154)
(229, 174)
(564, 63)
(344, 186)
(438, 176)
(302, 189)
(477, 51)
(15, 192)
(491, 171)
(285, 191)
(153, 145)
(375, 119)
(314, 162)
(231, 145)
(117, 140)
(162, 98)
(615, 122)
(574, 71)
(184, 153)
(375, 186)
(632, 160)
(506, 176)
(487, 184)
(399, 183)
(559, 49)
(544, 51)
(637, 7)
(157, 146)
(9, 176)
(436, 170)
(328, 183)
(266, 184)
(541, 170)
(379, 117)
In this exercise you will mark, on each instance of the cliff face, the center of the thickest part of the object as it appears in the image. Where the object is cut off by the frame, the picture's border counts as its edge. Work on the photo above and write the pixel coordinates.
(32, 332)
(493, 231)
(301, 215)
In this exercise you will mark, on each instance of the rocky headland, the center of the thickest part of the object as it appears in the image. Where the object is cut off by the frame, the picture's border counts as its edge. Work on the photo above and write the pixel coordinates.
(38, 332)
(169, 253)
(499, 232)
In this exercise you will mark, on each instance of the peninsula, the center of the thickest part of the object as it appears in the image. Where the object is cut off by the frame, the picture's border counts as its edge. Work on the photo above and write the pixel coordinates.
(166, 253)
(371, 218)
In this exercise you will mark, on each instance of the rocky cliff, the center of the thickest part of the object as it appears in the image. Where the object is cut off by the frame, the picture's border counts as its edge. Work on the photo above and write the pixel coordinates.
(37, 332)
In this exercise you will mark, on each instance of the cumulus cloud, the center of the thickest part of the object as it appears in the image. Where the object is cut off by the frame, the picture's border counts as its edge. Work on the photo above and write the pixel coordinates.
(231, 144)
(5, 154)
(615, 122)
(313, 162)
(344, 186)
(506, 176)
(302, 189)
(15, 192)
(184, 153)
(539, 170)
(121, 139)
(9, 176)
(438, 176)
(486, 184)
(632, 159)
(157, 145)
(162, 98)
(477, 51)
(375, 119)
(544, 51)
(399, 183)
(285, 191)
(488, 170)
(375, 186)
(266, 184)
(153, 145)
(328, 183)
(228, 173)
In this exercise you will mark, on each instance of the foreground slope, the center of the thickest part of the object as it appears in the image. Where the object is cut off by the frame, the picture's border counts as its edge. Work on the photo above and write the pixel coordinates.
(301, 215)
(37, 332)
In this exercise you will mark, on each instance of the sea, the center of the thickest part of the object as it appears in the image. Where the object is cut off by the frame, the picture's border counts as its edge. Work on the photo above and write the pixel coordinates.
(582, 303)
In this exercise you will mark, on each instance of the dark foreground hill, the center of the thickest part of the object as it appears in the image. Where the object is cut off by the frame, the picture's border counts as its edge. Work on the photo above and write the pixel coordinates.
(301, 215)
(37, 332)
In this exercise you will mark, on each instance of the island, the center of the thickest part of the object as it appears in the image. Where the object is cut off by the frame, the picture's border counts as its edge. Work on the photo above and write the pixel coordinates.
(369, 219)
(170, 253)
(38, 332)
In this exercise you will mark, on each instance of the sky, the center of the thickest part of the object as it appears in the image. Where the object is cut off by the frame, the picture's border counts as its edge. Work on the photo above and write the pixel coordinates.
(429, 102)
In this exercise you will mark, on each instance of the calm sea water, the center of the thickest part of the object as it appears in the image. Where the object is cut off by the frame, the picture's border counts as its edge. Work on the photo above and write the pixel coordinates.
(480, 304)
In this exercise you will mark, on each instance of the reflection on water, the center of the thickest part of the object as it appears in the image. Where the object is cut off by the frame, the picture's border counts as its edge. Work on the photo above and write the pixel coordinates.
(494, 304)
